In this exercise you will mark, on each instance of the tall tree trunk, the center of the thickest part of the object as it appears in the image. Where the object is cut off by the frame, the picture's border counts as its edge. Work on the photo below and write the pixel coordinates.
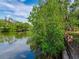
(68, 49)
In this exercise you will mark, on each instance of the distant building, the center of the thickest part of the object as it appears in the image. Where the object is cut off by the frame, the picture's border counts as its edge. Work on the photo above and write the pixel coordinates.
(9, 19)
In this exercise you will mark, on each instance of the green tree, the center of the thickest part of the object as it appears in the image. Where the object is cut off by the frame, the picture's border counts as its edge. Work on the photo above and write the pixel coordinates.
(72, 19)
(48, 29)
(7, 26)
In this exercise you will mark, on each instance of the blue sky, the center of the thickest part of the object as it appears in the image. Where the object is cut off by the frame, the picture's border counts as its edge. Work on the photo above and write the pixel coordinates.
(17, 9)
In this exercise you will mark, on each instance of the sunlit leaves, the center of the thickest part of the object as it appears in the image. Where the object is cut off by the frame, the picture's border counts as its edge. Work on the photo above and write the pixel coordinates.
(48, 28)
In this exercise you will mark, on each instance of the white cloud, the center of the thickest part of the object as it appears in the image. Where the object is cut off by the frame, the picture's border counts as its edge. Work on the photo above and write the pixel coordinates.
(6, 4)
(15, 9)
(22, 10)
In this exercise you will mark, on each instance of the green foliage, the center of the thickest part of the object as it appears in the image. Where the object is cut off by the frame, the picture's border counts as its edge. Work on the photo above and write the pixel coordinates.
(50, 20)
(48, 28)
(76, 38)
(7, 26)
(73, 15)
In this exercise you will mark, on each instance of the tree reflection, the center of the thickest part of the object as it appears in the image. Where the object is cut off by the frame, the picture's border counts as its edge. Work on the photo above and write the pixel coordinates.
(11, 37)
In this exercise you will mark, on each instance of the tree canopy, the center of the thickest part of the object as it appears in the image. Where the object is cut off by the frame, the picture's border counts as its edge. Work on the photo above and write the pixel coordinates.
(50, 20)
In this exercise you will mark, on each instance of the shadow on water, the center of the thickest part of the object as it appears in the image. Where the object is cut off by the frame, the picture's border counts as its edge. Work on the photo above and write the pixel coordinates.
(14, 46)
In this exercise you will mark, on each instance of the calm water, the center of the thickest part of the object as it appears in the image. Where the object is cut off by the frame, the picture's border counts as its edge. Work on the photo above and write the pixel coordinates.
(14, 46)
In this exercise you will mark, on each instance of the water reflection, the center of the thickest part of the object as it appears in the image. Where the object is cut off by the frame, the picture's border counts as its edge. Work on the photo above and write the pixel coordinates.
(13, 46)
